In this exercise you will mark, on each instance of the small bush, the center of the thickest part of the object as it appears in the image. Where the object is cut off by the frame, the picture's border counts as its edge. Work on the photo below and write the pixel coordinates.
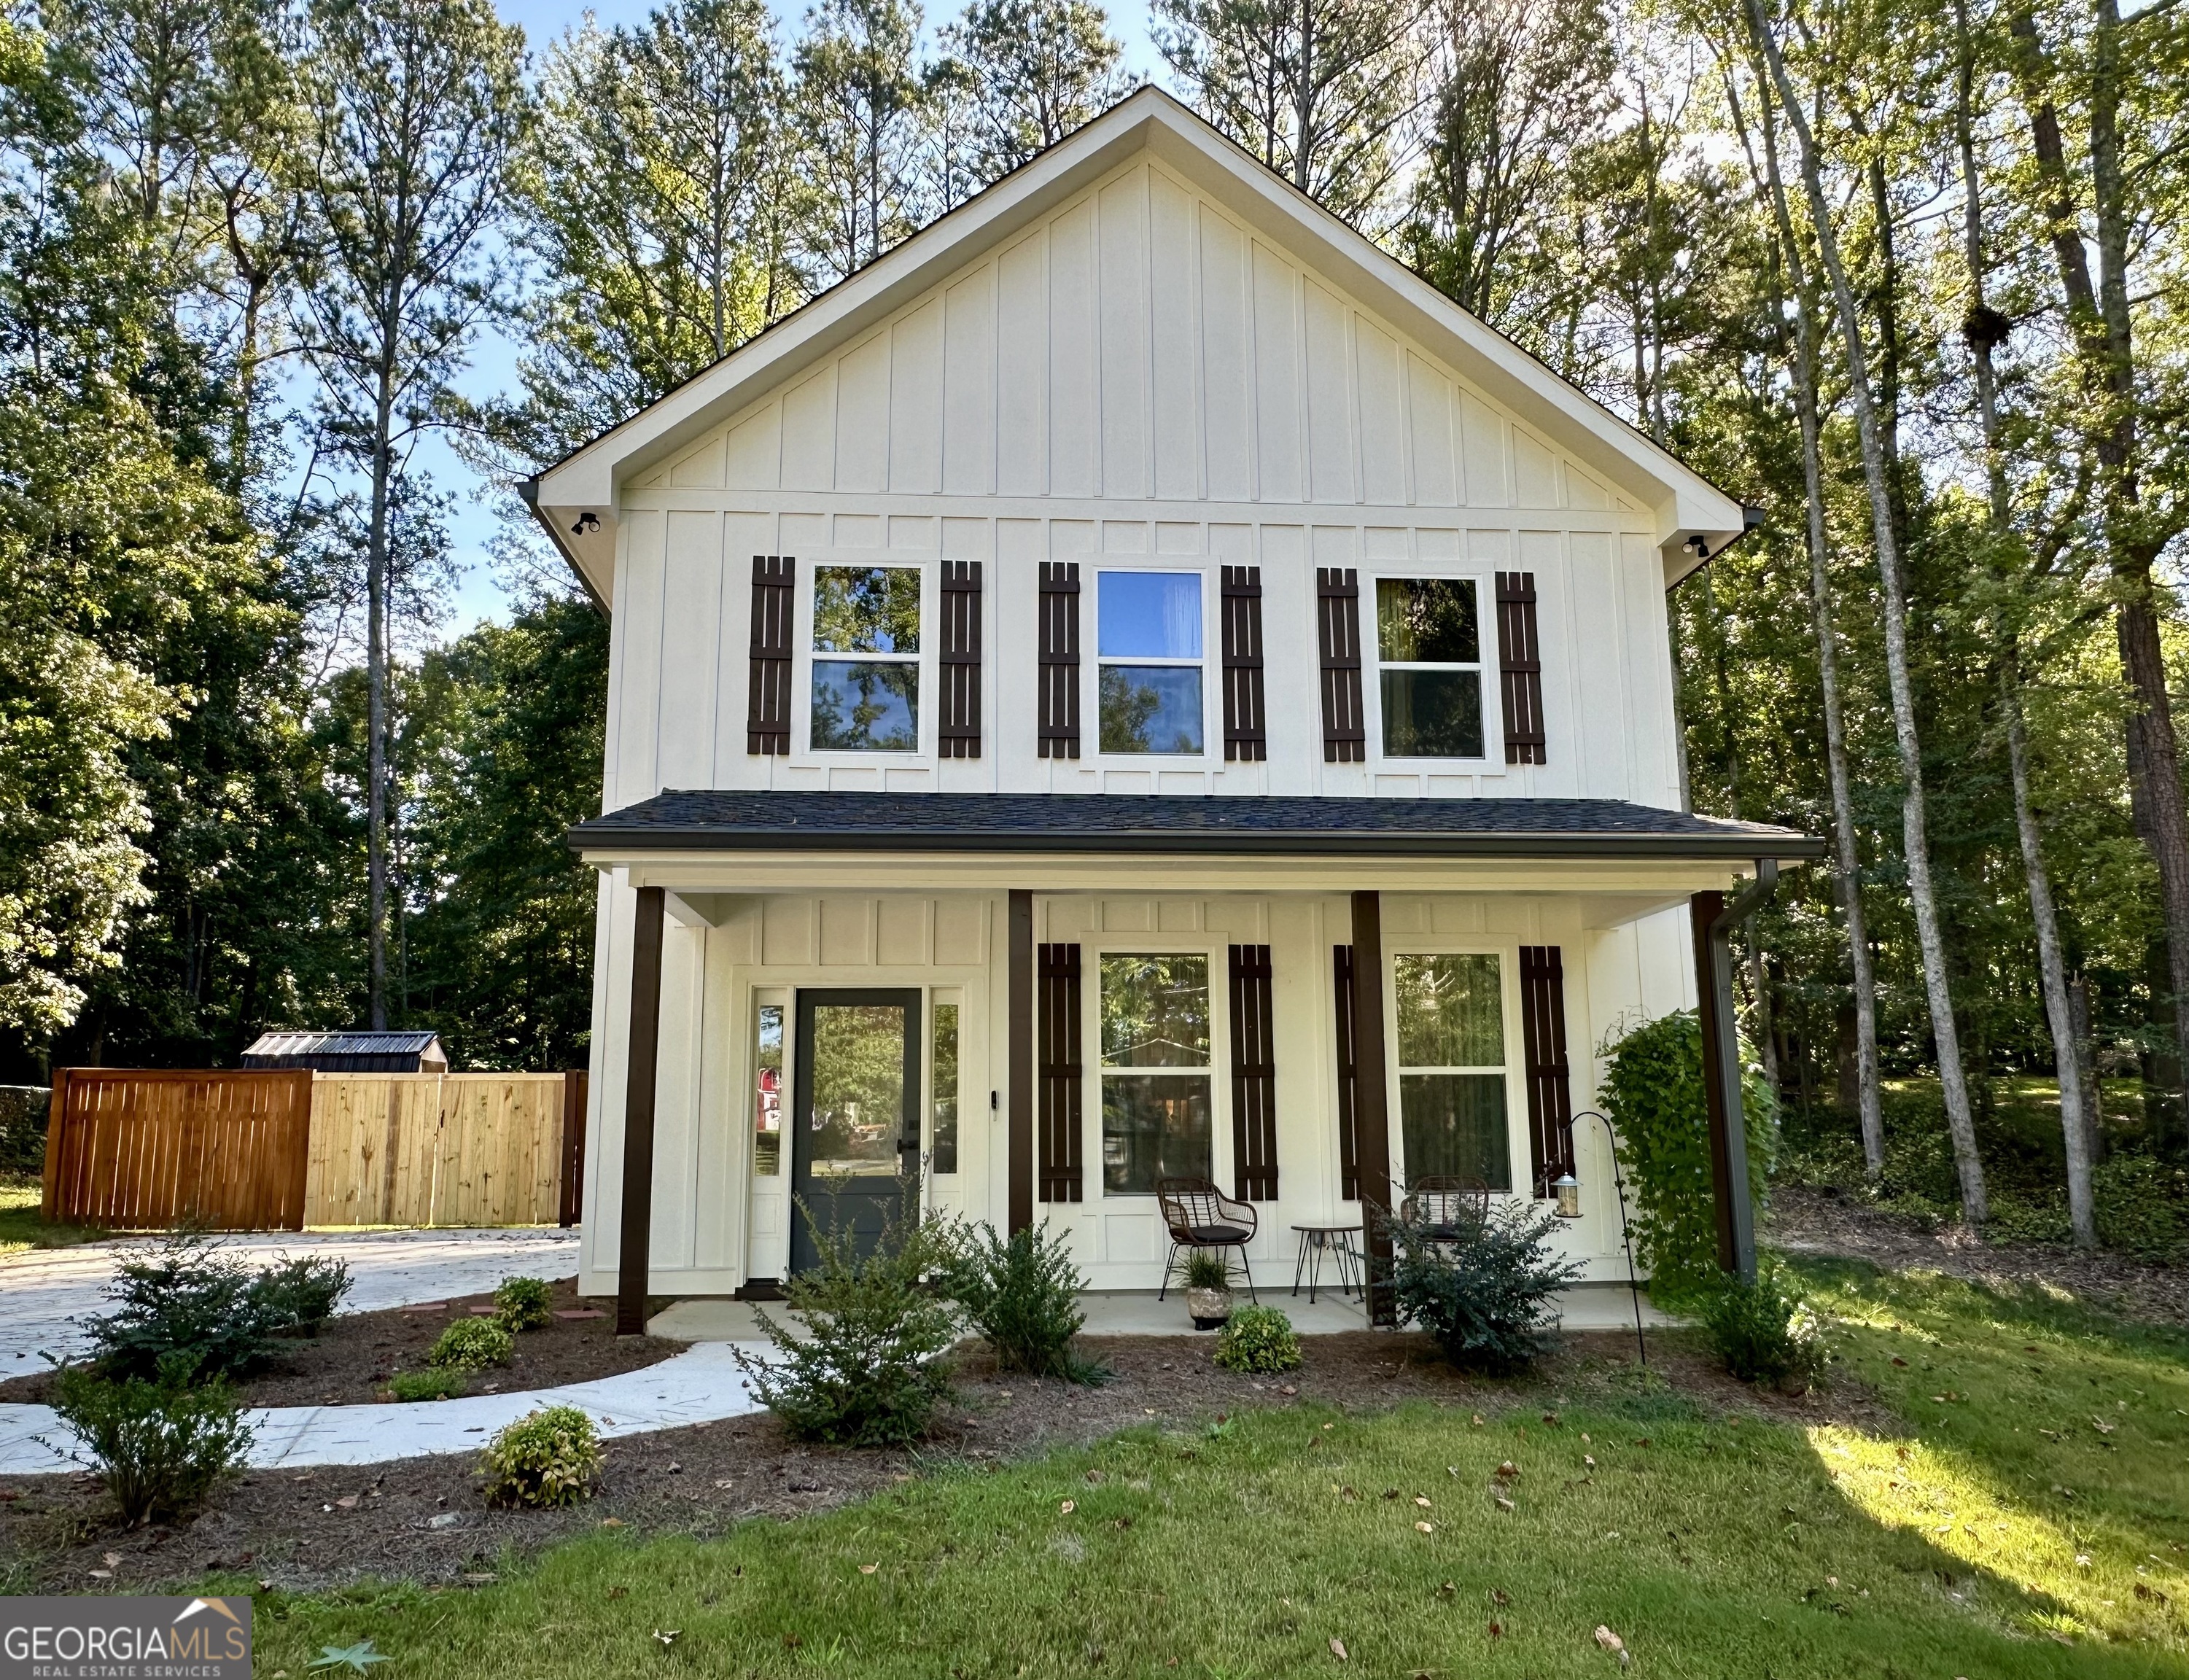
(1485, 1298)
(182, 1302)
(470, 1345)
(297, 1296)
(867, 1370)
(426, 1385)
(521, 1303)
(550, 1458)
(1207, 1268)
(158, 1445)
(1022, 1293)
(1764, 1331)
(1257, 1340)
(2143, 1205)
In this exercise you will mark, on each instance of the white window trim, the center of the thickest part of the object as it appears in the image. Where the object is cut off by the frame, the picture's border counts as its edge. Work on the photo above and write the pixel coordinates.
(1211, 634)
(1518, 1168)
(1485, 622)
(1091, 952)
(927, 660)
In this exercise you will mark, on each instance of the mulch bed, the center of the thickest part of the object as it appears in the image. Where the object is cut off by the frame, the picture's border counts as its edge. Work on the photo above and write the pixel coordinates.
(313, 1528)
(1808, 1221)
(349, 1361)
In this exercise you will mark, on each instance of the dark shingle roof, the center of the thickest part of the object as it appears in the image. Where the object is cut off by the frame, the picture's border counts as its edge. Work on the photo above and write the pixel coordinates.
(718, 820)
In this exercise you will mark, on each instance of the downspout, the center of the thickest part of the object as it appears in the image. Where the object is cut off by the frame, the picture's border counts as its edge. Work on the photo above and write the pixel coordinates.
(1718, 937)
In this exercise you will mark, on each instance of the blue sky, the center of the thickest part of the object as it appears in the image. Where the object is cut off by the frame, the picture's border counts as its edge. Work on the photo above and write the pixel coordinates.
(473, 520)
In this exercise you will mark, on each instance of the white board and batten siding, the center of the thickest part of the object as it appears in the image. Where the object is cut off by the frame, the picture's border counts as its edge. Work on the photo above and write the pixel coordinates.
(1139, 379)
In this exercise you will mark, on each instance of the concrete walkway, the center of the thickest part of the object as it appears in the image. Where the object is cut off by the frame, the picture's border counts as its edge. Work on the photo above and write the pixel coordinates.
(698, 1386)
(41, 1290)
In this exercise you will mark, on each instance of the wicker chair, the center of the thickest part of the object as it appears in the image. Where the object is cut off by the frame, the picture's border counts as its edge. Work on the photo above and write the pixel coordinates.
(1198, 1215)
(1449, 1207)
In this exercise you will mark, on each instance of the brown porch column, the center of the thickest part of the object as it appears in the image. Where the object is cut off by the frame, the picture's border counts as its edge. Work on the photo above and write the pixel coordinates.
(1019, 1139)
(1721, 1102)
(1371, 1119)
(644, 1047)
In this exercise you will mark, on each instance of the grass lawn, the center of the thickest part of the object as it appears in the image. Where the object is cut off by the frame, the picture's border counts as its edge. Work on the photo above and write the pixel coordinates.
(1952, 1544)
(21, 1227)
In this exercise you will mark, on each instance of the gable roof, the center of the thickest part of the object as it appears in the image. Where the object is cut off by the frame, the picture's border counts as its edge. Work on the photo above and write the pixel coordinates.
(587, 482)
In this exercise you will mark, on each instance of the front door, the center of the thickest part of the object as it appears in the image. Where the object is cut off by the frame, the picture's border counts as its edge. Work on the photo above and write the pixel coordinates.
(855, 1118)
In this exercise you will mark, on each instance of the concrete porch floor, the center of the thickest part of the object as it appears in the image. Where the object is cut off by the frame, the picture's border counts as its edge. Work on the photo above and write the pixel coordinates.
(1137, 1312)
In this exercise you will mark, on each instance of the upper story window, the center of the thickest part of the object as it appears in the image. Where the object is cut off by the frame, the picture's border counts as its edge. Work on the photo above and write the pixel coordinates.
(1149, 648)
(866, 659)
(1451, 1067)
(1429, 648)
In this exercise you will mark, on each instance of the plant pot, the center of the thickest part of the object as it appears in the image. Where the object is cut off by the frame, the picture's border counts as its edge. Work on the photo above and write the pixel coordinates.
(1211, 1308)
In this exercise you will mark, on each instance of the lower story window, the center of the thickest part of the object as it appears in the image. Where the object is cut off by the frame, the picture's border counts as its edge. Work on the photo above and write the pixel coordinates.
(1155, 1124)
(1451, 1069)
(767, 1095)
(944, 1102)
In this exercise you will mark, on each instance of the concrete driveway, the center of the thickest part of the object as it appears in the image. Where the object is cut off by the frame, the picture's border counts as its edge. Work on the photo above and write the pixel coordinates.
(41, 1291)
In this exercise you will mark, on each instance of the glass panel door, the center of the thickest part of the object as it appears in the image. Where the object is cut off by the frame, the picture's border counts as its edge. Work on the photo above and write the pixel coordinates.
(854, 1125)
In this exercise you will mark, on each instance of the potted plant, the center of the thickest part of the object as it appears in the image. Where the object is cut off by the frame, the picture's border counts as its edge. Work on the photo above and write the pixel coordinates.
(1208, 1288)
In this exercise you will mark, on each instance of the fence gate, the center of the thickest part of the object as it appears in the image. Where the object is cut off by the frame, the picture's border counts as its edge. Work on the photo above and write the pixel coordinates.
(137, 1149)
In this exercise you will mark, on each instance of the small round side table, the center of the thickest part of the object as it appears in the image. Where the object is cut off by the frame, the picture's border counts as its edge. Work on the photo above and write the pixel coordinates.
(1318, 1239)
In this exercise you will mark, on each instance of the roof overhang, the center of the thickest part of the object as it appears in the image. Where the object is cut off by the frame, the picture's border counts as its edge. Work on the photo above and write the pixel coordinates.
(577, 499)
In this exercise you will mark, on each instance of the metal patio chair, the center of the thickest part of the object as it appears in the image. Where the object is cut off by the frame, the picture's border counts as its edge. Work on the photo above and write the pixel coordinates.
(1198, 1215)
(1450, 1208)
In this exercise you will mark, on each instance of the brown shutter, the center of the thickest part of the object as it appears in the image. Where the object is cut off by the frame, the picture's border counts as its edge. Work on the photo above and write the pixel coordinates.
(1338, 617)
(1348, 1137)
(1245, 730)
(1056, 1027)
(1519, 658)
(767, 706)
(959, 733)
(1543, 1040)
(1060, 659)
(1253, 1077)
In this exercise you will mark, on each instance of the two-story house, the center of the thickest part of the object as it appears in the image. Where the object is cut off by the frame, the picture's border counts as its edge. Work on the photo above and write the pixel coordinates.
(1132, 684)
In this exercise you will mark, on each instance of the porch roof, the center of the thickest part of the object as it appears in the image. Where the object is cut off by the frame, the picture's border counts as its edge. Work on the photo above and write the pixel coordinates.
(708, 820)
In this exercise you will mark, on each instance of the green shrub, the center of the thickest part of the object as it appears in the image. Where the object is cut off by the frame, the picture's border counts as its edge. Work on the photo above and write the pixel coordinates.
(521, 1303)
(867, 1370)
(426, 1385)
(470, 1345)
(182, 1302)
(550, 1458)
(297, 1296)
(1257, 1340)
(2028, 1218)
(1484, 1296)
(157, 1444)
(1764, 1330)
(1021, 1294)
(1207, 1268)
(2143, 1205)
(1653, 1092)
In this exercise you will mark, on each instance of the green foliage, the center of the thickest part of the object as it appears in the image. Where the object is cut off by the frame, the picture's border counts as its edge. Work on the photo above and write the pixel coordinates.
(1021, 1294)
(1259, 1340)
(1484, 1295)
(1652, 1090)
(1207, 1268)
(182, 1306)
(521, 1303)
(1765, 1332)
(470, 1345)
(299, 1295)
(432, 1384)
(864, 1367)
(2143, 1205)
(157, 1444)
(545, 1458)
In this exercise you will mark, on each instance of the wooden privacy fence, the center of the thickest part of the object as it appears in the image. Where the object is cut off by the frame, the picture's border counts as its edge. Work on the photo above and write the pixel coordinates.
(282, 1149)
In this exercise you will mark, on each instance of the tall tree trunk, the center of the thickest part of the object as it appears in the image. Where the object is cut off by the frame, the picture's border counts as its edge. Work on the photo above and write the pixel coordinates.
(1983, 329)
(376, 663)
(1913, 818)
(1845, 841)
(2103, 328)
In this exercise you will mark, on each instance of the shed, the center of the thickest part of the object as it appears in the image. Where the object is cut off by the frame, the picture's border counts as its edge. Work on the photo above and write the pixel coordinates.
(350, 1052)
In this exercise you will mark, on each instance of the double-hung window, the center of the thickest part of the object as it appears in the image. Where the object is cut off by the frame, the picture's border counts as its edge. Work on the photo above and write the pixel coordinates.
(1157, 1067)
(865, 696)
(1429, 648)
(1451, 1067)
(1148, 648)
